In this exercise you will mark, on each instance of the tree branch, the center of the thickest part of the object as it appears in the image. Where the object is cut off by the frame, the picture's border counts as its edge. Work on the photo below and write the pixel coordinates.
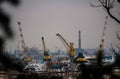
(108, 11)
(106, 3)
(118, 36)
(118, 1)
(112, 49)
(95, 5)
(102, 3)
(118, 47)
(111, 5)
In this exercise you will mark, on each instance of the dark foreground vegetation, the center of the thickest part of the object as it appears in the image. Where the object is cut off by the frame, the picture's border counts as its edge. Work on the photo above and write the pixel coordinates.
(36, 76)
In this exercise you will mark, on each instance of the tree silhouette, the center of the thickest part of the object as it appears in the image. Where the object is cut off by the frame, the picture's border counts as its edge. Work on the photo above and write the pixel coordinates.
(5, 22)
(108, 5)
(116, 51)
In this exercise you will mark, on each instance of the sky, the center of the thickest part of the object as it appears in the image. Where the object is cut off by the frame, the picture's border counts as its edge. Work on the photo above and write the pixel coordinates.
(46, 18)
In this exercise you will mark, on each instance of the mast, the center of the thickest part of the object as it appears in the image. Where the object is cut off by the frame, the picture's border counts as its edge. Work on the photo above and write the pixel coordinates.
(79, 39)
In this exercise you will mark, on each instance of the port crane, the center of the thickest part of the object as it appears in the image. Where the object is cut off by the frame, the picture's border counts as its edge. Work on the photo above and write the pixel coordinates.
(71, 50)
(69, 47)
(46, 56)
(101, 47)
(23, 46)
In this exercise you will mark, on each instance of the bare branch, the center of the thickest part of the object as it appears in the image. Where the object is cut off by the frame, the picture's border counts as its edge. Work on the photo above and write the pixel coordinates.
(118, 47)
(112, 49)
(118, 1)
(111, 5)
(94, 5)
(118, 36)
(117, 20)
(101, 1)
(107, 5)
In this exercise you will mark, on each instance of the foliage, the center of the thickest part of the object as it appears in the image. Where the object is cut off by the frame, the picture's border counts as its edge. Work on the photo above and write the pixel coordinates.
(5, 22)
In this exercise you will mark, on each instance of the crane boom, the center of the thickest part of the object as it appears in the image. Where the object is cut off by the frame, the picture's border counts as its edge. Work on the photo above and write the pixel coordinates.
(69, 47)
(46, 56)
(44, 47)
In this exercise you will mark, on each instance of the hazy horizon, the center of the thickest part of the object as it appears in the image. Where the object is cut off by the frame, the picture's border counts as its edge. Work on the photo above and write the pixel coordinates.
(48, 17)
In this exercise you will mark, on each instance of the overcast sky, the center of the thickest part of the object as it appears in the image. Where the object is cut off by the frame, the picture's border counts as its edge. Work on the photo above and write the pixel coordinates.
(47, 17)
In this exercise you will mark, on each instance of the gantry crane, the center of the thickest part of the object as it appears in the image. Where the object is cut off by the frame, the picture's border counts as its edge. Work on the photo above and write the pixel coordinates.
(46, 56)
(24, 48)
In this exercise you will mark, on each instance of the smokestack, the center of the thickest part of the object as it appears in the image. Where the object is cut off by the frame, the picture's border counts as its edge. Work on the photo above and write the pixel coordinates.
(79, 39)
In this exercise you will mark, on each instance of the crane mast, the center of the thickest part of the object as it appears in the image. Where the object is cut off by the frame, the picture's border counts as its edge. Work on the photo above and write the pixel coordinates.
(101, 48)
(24, 49)
(46, 56)
(103, 35)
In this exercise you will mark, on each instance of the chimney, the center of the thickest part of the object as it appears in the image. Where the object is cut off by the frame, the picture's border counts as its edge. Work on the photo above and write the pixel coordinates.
(79, 39)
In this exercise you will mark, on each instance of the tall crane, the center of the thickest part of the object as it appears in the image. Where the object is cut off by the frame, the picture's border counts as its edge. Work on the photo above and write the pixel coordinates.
(100, 54)
(46, 56)
(24, 49)
(103, 34)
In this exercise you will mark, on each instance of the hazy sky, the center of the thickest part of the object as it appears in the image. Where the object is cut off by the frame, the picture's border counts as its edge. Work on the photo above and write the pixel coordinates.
(47, 17)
